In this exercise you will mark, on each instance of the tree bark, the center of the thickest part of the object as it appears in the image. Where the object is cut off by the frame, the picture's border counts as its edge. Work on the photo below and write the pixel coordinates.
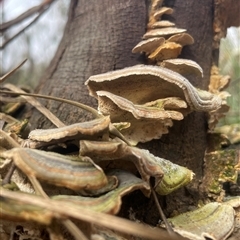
(98, 38)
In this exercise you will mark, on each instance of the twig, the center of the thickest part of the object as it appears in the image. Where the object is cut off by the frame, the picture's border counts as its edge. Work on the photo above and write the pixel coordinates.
(113, 130)
(9, 174)
(4, 77)
(168, 226)
(23, 16)
(37, 105)
(74, 230)
(101, 219)
(26, 27)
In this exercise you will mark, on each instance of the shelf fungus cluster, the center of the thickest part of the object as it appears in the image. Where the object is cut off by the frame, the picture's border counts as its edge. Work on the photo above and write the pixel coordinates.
(143, 101)
(135, 104)
(79, 180)
(163, 40)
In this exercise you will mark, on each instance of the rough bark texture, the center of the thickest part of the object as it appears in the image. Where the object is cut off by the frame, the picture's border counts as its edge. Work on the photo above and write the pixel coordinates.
(186, 142)
(98, 38)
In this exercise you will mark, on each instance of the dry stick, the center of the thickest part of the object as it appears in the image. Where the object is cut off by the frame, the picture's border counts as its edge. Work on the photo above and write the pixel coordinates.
(12, 144)
(11, 100)
(95, 113)
(23, 16)
(36, 104)
(168, 226)
(37, 186)
(9, 174)
(74, 230)
(26, 27)
(4, 77)
(87, 215)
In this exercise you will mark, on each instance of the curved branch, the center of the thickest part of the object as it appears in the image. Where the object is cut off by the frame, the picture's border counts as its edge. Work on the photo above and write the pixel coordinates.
(25, 15)
(41, 10)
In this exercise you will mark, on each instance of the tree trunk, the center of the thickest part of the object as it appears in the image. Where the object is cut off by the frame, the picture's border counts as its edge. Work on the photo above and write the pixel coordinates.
(98, 38)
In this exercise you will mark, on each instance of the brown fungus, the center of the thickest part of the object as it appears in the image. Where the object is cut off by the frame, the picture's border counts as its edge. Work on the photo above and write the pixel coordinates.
(217, 84)
(170, 103)
(182, 39)
(151, 118)
(138, 111)
(205, 222)
(148, 45)
(76, 173)
(141, 83)
(163, 24)
(93, 129)
(172, 176)
(183, 66)
(161, 11)
(167, 50)
(111, 201)
(163, 32)
(155, 14)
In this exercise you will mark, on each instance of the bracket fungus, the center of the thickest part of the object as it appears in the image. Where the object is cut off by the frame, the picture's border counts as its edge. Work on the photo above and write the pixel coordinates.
(173, 38)
(168, 176)
(163, 32)
(76, 173)
(127, 92)
(183, 66)
(148, 44)
(153, 118)
(156, 14)
(182, 38)
(214, 221)
(166, 51)
(142, 83)
(141, 102)
(163, 23)
(93, 129)
(111, 201)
